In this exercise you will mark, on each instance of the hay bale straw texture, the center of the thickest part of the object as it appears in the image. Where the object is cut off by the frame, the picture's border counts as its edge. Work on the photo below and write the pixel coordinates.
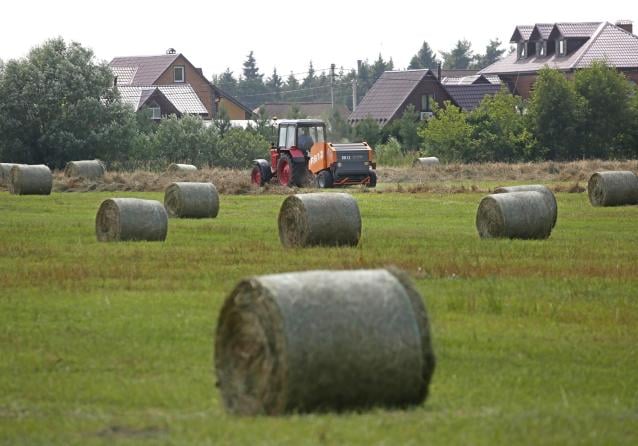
(425, 162)
(181, 168)
(121, 219)
(5, 172)
(549, 195)
(524, 215)
(191, 200)
(615, 188)
(323, 340)
(30, 180)
(331, 219)
(90, 169)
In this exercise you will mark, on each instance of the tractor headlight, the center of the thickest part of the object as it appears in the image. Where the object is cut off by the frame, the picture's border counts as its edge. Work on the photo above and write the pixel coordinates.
(339, 164)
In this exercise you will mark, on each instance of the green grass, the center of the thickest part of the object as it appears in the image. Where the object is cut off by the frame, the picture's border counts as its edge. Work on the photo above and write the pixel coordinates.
(536, 341)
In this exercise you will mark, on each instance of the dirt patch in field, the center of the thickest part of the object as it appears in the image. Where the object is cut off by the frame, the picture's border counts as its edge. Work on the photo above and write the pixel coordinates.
(444, 178)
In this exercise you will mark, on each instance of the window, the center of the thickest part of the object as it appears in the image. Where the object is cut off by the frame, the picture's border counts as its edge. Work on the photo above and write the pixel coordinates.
(282, 136)
(521, 50)
(560, 47)
(427, 101)
(290, 139)
(178, 73)
(541, 48)
(156, 113)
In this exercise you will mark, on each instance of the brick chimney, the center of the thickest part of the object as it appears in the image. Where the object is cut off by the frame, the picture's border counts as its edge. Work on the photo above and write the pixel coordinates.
(627, 25)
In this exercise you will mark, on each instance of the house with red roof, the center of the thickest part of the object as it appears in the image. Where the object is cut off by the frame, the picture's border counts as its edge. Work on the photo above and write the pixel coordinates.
(566, 47)
(171, 84)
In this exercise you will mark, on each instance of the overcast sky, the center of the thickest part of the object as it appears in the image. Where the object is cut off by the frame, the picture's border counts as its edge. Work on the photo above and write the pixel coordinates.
(287, 34)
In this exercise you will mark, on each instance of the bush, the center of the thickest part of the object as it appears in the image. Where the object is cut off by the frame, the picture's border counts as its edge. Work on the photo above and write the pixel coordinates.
(391, 154)
(239, 147)
(184, 140)
(448, 135)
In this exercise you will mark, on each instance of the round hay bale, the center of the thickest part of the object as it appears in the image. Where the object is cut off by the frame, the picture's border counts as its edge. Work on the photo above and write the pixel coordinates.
(549, 195)
(90, 169)
(30, 180)
(523, 215)
(181, 168)
(426, 162)
(323, 340)
(331, 219)
(5, 171)
(191, 200)
(616, 188)
(121, 219)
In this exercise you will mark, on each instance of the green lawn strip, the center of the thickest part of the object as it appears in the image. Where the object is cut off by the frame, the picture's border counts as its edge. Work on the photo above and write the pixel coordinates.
(103, 343)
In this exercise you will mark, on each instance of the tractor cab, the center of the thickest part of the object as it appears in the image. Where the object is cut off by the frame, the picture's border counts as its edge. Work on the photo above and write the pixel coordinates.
(300, 134)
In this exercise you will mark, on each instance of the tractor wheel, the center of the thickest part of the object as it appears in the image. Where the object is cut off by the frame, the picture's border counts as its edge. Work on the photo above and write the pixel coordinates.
(285, 171)
(373, 179)
(324, 179)
(256, 177)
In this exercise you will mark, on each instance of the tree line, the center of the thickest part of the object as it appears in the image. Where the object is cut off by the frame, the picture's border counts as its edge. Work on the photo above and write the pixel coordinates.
(58, 104)
(253, 88)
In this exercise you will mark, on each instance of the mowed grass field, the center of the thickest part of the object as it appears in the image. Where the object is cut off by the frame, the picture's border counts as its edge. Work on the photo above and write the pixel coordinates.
(103, 343)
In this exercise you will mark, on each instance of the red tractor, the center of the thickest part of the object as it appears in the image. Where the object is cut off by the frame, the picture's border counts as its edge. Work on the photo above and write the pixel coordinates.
(302, 156)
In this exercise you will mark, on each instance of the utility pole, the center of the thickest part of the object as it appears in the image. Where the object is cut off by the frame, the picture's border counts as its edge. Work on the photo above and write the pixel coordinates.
(332, 85)
(354, 94)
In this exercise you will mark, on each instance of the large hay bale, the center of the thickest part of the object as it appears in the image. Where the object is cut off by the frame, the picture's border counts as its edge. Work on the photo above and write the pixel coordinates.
(181, 168)
(319, 219)
(30, 180)
(426, 162)
(90, 169)
(549, 195)
(191, 200)
(323, 340)
(5, 172)
(616, 188)
(121, 219)
(523, 215)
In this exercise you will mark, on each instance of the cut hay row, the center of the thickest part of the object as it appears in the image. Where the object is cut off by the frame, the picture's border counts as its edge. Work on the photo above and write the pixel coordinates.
(191, 200)
(30, 180)
(613, 188)
(524, 215)
(313, 219)
(122, 219)
(90, 169)
(323, 340)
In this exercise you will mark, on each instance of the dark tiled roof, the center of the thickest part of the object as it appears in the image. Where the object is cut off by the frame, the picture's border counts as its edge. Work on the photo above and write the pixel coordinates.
(388, 93)
(522, 32)
(147, 69)
(468, 97)
(616, 46)
(577, 29)
(541, 31)
(607, 42)
(310, 109)
(457, 73)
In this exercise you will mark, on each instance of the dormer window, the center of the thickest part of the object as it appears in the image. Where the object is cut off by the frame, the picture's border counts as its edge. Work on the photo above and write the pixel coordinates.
(541, 48)
(561, 47)
(178, 73)
(521, 50)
